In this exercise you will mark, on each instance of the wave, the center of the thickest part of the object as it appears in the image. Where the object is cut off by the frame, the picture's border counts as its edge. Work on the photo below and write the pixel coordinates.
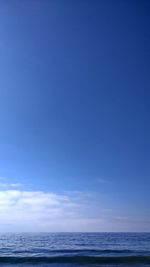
(80, 251)
(78, 260)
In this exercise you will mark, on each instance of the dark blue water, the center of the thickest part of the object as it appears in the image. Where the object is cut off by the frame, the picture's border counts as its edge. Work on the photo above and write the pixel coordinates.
(75, 249)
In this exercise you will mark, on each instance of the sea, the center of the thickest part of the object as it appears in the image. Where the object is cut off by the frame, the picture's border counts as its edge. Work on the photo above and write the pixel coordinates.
(74, 249)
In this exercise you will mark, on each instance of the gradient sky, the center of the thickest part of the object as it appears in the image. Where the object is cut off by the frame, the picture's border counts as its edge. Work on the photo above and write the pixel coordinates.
(74, 115)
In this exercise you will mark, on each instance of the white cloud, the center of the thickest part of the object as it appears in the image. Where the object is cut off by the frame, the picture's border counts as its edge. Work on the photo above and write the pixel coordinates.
(5, 185)
(36, 210)
(22, 210)
(16, 185)
(44, 211)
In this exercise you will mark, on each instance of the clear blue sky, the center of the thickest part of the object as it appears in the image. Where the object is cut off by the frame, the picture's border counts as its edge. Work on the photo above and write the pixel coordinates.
(75, 108)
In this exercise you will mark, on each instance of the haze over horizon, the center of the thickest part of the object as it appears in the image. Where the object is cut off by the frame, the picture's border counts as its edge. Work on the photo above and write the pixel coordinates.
(74, 115)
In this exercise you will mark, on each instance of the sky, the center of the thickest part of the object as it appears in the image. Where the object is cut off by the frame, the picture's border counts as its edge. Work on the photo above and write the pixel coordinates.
(74, 115)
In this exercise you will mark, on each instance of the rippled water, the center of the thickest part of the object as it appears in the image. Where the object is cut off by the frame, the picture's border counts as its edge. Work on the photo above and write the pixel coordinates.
(75, 249)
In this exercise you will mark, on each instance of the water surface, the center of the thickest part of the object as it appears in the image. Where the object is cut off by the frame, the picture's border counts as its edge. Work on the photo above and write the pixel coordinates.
(75, 249)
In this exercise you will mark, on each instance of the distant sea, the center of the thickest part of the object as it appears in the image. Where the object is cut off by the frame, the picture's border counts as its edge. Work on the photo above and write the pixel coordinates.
(75, 249)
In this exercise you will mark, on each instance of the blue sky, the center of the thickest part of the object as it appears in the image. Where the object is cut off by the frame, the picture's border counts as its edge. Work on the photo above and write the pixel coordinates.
(74, 115)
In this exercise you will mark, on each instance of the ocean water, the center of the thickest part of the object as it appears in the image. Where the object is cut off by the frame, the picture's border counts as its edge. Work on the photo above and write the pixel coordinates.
(75, 249)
